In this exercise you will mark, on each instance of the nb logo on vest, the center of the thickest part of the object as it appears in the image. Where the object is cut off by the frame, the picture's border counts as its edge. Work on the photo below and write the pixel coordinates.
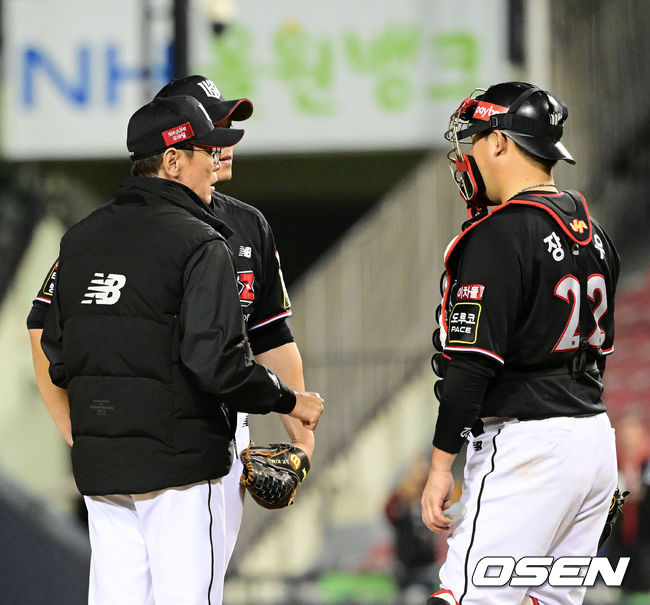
(104, 290)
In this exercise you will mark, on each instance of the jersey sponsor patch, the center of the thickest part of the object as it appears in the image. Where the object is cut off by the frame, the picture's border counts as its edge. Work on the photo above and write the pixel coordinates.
(46, 292)
(463, 323)
(470, 292)
(245, 281)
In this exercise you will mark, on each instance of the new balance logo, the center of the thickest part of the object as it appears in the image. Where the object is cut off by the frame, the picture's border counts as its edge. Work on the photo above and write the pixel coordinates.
(104, 290)
(245, 251)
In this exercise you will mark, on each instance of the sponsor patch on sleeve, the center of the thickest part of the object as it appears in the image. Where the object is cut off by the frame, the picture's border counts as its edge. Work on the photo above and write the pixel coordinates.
(470, 292)
(46, 292)
(463, 323)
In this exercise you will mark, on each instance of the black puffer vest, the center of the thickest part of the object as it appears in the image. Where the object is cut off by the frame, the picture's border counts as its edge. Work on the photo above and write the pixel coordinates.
(139, 422)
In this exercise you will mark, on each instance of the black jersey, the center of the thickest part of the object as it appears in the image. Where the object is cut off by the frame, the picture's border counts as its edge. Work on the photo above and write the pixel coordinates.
(262, 293)
(528, 286)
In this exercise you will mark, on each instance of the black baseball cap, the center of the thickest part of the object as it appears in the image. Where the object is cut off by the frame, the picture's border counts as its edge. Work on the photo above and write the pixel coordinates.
(206, 91)
(171, 122)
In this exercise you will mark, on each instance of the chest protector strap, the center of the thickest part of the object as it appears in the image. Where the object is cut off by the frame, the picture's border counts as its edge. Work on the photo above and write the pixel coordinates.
(569, 210)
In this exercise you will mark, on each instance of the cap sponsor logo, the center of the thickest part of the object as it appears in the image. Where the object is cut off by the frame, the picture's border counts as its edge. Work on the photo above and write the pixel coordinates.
(470, 292)
(178, 133)
(485, 110)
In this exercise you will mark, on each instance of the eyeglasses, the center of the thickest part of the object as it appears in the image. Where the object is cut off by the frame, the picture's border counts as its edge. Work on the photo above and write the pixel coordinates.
(215, 153)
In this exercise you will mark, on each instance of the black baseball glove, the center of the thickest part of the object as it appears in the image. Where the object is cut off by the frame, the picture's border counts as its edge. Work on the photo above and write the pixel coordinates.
(273, 474)
(614, 513)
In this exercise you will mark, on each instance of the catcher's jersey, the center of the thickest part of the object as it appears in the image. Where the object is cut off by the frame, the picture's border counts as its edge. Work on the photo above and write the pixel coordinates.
(516, 281)
(262, 292)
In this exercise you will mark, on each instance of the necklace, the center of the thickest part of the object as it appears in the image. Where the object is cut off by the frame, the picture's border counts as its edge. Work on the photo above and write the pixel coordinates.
(538, 185)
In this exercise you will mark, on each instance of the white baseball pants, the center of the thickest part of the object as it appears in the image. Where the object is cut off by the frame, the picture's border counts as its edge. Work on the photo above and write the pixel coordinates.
(533, 488)
(161, 548)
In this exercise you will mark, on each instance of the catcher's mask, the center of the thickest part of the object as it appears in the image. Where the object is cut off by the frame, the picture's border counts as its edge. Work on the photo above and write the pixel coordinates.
(528, 115)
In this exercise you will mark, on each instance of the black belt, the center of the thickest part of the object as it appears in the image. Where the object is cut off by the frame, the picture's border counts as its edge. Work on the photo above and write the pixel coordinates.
(478, 428)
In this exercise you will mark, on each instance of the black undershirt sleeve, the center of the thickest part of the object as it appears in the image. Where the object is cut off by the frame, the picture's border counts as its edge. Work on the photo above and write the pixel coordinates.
(37, 315)
(463, 389)
(271, 336)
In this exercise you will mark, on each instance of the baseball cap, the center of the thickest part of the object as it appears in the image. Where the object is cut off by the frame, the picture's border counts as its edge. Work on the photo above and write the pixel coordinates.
(206, 91)
(173, 121)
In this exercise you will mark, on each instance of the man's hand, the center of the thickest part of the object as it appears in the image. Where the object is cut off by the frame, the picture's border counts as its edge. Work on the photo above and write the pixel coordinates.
(436, 496)
(309, 407)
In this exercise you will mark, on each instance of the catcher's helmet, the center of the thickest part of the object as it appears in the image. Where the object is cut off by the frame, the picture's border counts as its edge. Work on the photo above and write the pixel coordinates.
(530, 116)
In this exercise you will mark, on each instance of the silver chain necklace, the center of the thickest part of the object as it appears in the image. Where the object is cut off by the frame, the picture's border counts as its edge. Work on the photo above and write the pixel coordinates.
(538, 185)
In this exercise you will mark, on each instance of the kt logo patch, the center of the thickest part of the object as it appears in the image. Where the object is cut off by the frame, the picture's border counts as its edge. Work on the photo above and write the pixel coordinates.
(104, 290)
(245, 280)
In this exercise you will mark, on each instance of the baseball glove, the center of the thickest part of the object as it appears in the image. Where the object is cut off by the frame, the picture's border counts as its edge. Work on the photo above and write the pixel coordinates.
(614, 513)
(273, 474)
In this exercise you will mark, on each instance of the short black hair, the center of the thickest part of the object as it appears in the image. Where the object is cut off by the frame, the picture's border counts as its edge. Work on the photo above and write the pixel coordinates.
(147, 166)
